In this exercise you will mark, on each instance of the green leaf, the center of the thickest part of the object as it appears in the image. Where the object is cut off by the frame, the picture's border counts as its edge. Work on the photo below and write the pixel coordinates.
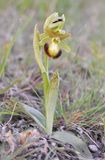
(37, 51)
(79, 146)
(34, 114)
(45, 84)
(51, 101)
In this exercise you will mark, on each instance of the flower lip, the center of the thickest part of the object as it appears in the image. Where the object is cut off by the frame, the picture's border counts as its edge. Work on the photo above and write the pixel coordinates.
(52, 51)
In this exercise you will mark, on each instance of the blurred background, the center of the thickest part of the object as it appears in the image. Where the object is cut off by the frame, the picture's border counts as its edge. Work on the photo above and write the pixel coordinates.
(84, 20)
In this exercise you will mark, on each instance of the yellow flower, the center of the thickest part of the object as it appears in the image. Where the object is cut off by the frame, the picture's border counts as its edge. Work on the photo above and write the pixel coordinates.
(53, 26)
(53, 37)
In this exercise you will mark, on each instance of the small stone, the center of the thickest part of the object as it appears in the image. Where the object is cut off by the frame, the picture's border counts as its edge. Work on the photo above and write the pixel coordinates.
(93, 148)
(53, 144)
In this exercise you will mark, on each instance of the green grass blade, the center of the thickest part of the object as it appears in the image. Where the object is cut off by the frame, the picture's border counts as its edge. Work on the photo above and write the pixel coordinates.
(5, 58)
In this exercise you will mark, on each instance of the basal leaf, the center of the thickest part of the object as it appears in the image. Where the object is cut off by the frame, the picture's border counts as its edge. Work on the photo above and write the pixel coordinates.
(34, 114)
(78, 144)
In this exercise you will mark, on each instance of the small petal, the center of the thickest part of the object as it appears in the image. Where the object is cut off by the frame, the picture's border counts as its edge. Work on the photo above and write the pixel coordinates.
(64, 46)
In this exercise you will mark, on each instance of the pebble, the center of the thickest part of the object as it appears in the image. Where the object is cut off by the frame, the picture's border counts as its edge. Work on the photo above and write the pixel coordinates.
(93, 148)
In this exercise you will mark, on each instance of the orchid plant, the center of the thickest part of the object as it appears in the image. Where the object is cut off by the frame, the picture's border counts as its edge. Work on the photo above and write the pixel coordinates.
(51, 41)
(50, 44)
